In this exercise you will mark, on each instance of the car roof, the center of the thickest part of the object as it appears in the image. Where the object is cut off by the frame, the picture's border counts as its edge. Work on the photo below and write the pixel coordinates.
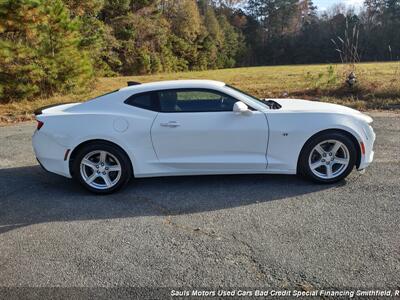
(172, 84)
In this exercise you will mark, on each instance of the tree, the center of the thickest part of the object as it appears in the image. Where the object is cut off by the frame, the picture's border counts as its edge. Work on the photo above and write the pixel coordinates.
(78, 8)
(114, 8)
(93, 32)
(39, 50)
(55, 46)
(143, 36)
(186, 30)
(65, 66)
(276, 16)
(232, 44)
(20, 72)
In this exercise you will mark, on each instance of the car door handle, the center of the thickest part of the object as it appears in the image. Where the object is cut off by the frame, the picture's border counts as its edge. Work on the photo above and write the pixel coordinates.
(171, 124)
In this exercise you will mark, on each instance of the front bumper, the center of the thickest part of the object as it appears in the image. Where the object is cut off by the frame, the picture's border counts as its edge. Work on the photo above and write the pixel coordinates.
(368, 141)
(366, 160)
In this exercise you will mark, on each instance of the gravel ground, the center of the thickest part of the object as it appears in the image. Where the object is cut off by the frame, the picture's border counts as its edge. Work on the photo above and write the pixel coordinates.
(201, 231)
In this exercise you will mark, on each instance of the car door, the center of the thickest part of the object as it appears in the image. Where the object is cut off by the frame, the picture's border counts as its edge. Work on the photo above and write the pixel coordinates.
(197, 131)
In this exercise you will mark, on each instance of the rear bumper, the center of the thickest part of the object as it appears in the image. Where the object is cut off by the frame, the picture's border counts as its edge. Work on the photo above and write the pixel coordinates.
(41, 165)
(50, 154)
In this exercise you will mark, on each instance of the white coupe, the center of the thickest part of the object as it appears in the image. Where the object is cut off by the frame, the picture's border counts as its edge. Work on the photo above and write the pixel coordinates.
(195, 127)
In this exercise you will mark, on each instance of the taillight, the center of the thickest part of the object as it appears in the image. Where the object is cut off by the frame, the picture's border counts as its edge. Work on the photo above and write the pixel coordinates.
(39, 124)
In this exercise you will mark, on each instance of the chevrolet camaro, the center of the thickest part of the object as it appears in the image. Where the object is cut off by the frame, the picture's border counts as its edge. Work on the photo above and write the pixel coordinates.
(198, 127)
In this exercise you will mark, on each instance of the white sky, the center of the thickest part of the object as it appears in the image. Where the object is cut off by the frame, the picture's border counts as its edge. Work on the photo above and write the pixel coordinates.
(325, 4)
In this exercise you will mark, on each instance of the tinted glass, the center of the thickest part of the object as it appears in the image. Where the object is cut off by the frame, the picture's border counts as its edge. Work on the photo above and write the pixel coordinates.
(145, 101)
(195, 100)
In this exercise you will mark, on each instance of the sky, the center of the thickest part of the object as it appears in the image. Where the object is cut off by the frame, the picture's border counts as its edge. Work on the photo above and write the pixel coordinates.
(325, 4)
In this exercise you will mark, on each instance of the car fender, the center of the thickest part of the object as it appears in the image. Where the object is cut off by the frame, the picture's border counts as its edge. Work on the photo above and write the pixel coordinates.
(107, 138)
(71, 130)
(290, 131)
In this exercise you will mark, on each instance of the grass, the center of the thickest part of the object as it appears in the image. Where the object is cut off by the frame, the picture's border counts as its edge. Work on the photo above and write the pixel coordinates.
(378, 86)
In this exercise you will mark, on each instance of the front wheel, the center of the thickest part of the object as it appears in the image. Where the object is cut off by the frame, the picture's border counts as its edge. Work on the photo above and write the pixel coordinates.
(328, 157)
(102, 168)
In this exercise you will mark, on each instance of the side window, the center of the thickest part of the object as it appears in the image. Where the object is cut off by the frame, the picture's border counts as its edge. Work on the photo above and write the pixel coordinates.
(144, 100)
(195, 100)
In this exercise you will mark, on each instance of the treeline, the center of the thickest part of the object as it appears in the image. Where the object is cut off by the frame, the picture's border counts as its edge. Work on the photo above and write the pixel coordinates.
(58, 45)
(294, 32)
(49, 46)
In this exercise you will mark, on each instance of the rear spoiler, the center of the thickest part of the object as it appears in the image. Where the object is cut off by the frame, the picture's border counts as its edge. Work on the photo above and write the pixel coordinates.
(131, 83)
(40, 110)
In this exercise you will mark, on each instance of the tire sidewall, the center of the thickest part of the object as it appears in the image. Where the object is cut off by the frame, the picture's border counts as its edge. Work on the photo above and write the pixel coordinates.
(126, 169)
(304, 167)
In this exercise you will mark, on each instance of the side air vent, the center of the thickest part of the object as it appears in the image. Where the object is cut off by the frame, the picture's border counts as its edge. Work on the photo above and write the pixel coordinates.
(272, 104)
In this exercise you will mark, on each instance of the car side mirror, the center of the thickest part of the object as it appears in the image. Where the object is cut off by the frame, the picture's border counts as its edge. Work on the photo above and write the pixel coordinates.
(240, 107)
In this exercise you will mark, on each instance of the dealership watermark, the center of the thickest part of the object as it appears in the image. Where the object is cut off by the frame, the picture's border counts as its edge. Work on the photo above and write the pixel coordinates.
(154, 293)
(292, 293)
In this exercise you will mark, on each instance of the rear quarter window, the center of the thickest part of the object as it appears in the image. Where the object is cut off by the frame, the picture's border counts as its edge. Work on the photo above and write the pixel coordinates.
(144, 100)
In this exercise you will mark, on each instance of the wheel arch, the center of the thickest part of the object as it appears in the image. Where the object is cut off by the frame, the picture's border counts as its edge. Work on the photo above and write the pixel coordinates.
(336, 130)
(75, 151)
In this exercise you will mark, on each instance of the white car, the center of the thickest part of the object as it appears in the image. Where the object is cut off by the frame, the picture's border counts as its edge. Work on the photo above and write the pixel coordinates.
(195, 127)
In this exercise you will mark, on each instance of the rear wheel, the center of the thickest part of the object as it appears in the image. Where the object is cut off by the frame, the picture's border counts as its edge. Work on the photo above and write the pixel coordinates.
(328, 157)
(102, 168)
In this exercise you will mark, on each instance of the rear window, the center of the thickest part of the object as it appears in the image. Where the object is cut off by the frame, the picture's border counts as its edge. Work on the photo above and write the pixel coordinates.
(144, 100)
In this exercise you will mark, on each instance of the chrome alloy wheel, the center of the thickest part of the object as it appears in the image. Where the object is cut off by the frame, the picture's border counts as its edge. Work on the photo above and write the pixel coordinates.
(100, 169)
(329, 159)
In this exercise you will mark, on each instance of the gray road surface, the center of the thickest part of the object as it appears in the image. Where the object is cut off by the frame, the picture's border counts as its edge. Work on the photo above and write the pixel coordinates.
(253, 230)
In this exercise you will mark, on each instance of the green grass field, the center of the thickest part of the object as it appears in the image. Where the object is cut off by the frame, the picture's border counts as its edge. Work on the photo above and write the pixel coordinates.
(378, 86)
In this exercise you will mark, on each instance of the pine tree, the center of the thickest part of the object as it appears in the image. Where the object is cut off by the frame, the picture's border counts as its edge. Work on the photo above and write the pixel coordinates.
(39, 50)
(20, 71)
(233, 43)
(93, 31)
(214, 39)
(66, 67)
(186, 28)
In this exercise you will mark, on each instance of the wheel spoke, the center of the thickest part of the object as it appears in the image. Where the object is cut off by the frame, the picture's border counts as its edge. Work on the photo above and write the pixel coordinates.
(336, 147)
(320, 150)
(332, 162)
(89, 163)
(91, 178)
(114, 168)
(341, 161)
(107, 180)
(328, 171)
(95, 168)
(316, 165)
(103, 156)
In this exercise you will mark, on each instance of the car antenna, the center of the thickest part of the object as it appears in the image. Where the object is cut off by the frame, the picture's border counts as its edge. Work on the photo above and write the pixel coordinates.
(130, 83)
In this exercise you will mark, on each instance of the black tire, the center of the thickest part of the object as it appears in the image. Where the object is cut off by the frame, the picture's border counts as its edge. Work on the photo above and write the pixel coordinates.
(304, 168)
(119, 154)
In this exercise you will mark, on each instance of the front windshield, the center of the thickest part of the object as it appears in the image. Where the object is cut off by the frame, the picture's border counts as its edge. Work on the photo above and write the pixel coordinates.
(244, 93)
(270, 103)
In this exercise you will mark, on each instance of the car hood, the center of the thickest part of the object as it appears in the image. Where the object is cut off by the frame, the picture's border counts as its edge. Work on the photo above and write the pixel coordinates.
(297, 105)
